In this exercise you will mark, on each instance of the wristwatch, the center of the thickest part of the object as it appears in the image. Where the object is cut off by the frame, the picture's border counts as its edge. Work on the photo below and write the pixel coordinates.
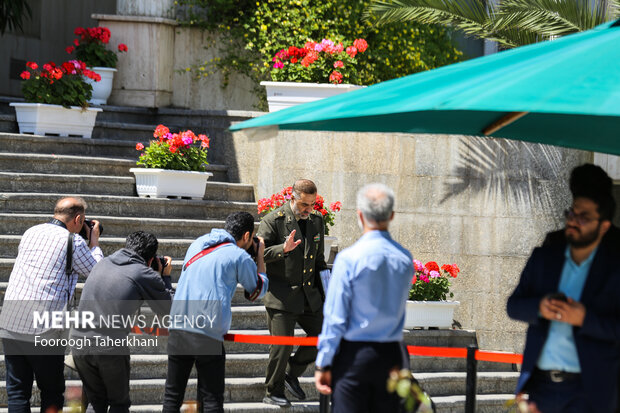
(322, 369)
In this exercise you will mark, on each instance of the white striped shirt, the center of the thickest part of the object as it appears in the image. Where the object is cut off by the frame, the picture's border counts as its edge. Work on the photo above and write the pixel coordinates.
(38, 280)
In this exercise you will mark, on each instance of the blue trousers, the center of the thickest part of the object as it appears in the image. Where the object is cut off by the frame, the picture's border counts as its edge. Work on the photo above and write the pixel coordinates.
(360, 372)
(22, 368)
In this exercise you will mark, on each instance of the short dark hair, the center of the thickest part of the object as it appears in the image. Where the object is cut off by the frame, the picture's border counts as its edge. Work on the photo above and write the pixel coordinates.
(238, 223)
(143, 243)
(304, 186)
(592, 182)
(589, 178)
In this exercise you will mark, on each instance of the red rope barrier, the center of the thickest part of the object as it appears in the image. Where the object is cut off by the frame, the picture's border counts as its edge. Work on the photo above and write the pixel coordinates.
(453, 352)
(497, 357)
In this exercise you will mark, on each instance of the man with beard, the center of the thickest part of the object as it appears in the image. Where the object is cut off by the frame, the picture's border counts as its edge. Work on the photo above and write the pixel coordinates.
(568, 294)
(294, 257)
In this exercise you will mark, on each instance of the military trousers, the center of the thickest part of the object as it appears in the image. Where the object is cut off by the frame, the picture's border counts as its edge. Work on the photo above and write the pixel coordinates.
(282, 323)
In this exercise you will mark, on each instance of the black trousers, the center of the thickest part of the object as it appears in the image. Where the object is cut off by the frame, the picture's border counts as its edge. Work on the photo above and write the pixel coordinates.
(22, 366)
(360, 371)
(211, 371)
(106, 381)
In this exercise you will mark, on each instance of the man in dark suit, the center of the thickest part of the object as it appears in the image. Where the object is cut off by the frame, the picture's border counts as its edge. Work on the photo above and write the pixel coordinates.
(294, 257)
(589, 177)
(572, 353)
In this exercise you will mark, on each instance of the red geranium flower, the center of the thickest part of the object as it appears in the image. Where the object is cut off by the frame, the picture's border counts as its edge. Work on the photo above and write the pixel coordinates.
(139, 146)
(431, 266)
(25, 75)
(122, 47)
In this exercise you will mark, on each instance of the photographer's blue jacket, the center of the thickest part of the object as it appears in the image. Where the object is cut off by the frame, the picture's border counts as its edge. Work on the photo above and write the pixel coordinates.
(202, 302)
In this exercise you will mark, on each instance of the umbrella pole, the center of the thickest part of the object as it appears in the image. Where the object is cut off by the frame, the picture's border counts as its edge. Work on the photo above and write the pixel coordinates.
(503, 121)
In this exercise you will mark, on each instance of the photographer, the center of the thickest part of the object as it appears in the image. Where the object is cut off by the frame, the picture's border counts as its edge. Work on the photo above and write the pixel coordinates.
(116, 288)
(46, 269)
(214, 264)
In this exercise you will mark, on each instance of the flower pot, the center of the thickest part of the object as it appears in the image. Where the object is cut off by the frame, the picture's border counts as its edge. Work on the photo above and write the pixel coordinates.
(327, 243)
(160, 183)
(44, 119)
(430, 314)
(103, 88)
(282, 95)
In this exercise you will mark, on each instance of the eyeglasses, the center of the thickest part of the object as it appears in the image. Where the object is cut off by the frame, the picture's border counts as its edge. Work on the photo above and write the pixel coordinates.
(581, 219)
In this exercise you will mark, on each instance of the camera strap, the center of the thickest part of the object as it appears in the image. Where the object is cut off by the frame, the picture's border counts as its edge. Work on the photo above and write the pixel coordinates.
(69, 263)
(203, 253)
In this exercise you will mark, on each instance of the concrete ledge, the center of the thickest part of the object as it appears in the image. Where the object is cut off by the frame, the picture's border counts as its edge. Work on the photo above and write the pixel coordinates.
(134, 19)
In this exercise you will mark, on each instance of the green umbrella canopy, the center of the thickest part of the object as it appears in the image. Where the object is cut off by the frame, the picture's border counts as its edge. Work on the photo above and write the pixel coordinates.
(563, 92)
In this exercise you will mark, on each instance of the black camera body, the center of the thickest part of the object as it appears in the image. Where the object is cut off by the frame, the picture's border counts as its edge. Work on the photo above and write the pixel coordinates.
(161, 260)
(84, 234)
(253, 250)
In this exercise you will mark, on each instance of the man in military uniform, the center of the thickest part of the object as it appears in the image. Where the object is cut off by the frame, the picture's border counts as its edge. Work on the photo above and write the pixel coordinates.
(294, 257)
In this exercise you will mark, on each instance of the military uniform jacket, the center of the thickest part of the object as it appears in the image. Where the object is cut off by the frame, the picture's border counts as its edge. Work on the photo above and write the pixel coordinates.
(296, 273)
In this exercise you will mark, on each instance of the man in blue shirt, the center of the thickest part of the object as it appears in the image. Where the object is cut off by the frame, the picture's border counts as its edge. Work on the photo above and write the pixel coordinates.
(201, 309)
(568, 293)
(364, 312)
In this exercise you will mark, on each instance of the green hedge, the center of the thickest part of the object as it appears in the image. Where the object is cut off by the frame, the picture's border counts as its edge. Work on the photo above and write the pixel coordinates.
(251, 32)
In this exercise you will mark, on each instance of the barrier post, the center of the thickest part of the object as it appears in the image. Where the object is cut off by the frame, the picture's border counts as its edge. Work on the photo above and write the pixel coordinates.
(470, 386)
(323, 403)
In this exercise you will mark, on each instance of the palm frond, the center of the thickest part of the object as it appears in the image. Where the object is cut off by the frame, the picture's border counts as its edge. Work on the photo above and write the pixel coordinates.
(472, 17)
(550, 18)
(613, 9)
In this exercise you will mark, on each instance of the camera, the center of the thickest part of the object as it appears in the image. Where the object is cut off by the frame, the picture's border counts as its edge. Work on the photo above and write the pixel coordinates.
(162, 261)
(253, 249)
(84, 234)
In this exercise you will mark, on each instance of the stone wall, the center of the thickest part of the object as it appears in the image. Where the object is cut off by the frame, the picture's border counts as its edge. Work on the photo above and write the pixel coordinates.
(481, 203)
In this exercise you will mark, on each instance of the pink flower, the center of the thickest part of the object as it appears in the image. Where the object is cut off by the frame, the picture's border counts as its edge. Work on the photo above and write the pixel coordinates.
(434, 274)
(351, 51)
(338, 63)
(424, 278)
(278, 65)
(139, 146)
(417, 265)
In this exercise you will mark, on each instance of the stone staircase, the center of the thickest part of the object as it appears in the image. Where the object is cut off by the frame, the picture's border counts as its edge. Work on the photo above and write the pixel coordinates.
(36, 171)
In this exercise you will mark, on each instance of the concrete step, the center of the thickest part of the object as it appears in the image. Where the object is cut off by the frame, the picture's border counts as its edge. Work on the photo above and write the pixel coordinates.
(123, 206)
(252, 389)
(65, 164)
(118, 226)
(175, 248)
(446, 404)
(108, 185)
(23, 143)
(57, 183)
(81, 165)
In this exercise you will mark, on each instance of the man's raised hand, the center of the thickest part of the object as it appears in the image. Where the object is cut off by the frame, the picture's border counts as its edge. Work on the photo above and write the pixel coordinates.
(290, 244)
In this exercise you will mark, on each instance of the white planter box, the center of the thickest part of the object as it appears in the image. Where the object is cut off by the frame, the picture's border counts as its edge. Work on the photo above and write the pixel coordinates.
(43, 119)
(282, 95)
(103, 88)
(430, 314)
(160, 183)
